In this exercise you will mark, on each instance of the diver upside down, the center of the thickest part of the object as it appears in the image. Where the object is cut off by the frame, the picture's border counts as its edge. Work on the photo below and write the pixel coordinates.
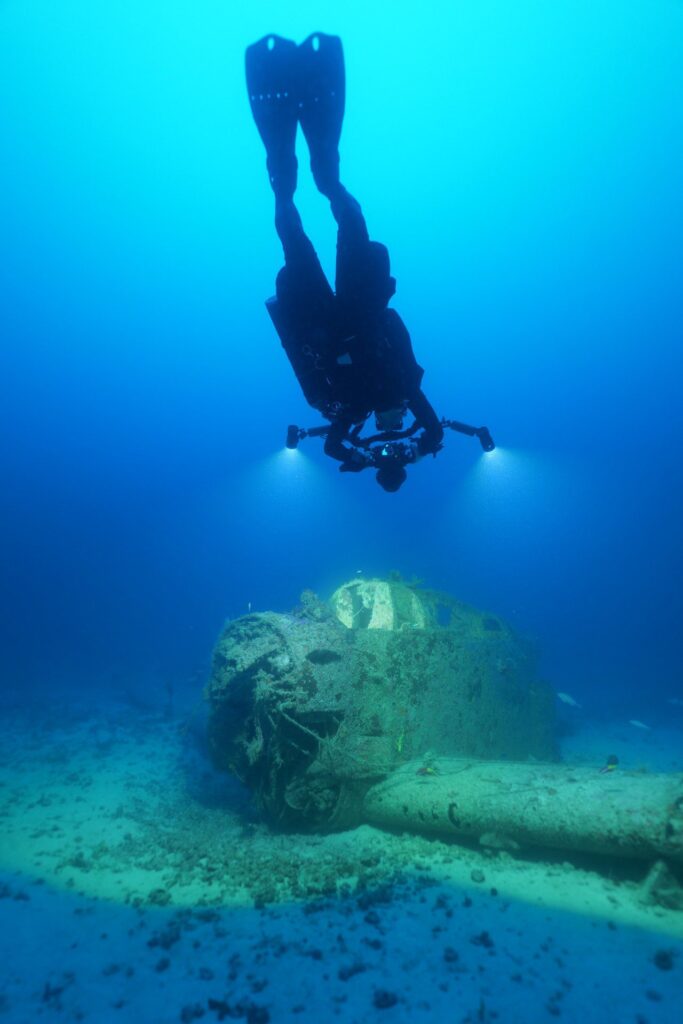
(352, 355)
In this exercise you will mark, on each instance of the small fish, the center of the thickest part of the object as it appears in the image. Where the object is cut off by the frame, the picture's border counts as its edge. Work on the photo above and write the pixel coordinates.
(638, 725)
(249, 607)
(676, 701)
(567, 699)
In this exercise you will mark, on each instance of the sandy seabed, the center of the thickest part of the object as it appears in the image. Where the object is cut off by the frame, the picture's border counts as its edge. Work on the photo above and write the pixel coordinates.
(136, 884)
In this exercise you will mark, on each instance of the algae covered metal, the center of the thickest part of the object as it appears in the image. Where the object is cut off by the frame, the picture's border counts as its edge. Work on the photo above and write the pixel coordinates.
(509, 806)
(312, 708)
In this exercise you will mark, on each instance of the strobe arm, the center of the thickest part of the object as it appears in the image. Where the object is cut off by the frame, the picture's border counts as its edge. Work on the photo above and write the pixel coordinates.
(296, 434)
(483, 433)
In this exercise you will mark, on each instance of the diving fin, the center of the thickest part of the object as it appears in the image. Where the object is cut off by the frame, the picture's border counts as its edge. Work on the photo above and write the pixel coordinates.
(322, 90)
(272, 84)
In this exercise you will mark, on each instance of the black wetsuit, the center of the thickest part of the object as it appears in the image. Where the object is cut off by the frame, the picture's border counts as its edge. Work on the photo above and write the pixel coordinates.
(351, 354)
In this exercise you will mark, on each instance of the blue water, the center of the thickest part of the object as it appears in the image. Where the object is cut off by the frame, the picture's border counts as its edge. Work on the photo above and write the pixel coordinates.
(523, 163)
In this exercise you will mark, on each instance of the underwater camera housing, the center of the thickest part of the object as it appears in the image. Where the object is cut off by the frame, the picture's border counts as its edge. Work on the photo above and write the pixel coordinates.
(393, 453)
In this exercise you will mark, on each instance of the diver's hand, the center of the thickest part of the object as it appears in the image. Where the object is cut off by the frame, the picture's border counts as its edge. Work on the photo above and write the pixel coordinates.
(415, 453)
(355, 463)
(425, 446)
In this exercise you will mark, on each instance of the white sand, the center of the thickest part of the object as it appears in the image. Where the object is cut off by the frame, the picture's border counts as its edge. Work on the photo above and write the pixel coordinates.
(138, 886)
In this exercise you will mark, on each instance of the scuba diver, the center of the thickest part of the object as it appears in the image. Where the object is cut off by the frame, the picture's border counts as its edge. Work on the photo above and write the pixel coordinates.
(351, 353)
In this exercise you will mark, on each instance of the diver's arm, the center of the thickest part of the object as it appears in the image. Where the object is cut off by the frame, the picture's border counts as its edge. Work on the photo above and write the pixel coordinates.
(429, 442)
(432, 436)
(352, 461)
(333, 442)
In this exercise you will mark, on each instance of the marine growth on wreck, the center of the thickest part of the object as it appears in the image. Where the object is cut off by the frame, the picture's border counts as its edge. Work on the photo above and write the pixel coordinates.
(313, 707)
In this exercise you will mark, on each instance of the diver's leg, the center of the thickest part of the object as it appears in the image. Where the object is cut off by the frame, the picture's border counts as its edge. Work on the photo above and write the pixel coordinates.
(304, 306)
(352, 231)
(363, 277)
(322, 88)
(321, 97)
(301, 284)
(295, 242)
(302, 287)
(272, 82)
(271, 70)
